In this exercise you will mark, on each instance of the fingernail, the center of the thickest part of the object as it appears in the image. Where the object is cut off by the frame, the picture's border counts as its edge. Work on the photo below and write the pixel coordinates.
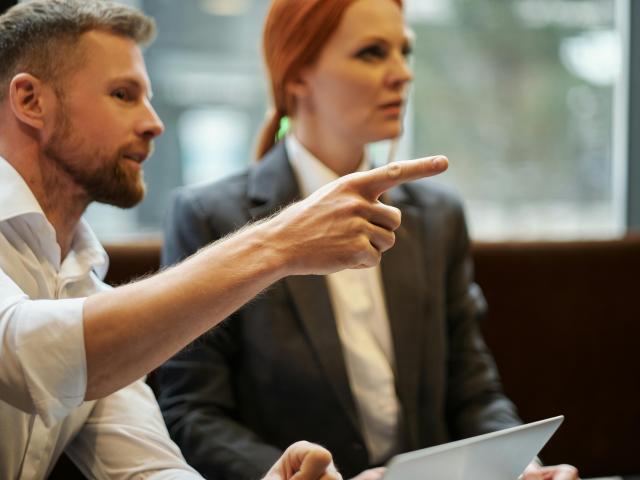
(438, 162)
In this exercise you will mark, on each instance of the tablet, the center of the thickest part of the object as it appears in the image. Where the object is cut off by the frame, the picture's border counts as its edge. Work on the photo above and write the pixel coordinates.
(501, 455)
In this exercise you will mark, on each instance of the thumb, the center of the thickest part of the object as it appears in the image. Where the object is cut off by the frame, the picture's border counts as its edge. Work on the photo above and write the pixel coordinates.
(315, 464)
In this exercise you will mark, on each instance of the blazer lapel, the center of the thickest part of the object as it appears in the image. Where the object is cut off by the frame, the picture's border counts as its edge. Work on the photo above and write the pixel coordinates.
(272, 184)
(311, 297)
(404, 285)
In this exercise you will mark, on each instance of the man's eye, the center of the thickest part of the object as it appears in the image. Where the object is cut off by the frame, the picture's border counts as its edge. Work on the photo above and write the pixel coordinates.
(374, 52)
(121, 94)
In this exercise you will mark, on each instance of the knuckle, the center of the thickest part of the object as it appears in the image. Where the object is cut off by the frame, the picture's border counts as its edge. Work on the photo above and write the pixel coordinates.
(398, 215)
(302, 444)
(391, 240)
(394, 216)
(344, 183)
(364, 241)
(394, 170)
(350, 180)
(356, 206)
(359, 226)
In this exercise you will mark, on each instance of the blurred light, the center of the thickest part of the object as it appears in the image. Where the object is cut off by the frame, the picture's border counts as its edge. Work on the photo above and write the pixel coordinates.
(431, 11)
(212, 141)
(226, 7)
(565, 13)
(593, 56)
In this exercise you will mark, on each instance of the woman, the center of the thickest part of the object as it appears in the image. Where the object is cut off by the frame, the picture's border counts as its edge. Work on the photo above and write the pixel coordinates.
(368, 363)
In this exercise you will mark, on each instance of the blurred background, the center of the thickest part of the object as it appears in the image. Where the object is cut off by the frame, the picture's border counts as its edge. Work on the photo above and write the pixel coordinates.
(528, 98)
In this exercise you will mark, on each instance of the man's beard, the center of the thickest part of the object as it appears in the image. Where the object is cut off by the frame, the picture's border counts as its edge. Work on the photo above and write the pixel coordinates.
(107, 180)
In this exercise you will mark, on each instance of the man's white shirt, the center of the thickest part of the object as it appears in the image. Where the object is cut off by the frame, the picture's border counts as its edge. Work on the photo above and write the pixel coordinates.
(357, 298)
(43, 371)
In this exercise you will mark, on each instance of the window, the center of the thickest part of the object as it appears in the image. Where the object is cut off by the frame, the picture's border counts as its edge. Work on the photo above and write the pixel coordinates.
(519, 94)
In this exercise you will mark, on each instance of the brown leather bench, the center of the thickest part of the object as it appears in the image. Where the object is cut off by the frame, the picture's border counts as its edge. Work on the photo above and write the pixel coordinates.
(563, 323)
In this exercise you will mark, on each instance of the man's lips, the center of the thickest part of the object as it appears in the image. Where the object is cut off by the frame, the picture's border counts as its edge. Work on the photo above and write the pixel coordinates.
(137, 157)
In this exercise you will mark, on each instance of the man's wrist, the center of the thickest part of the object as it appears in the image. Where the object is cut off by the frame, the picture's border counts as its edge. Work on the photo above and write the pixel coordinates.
(275, 256)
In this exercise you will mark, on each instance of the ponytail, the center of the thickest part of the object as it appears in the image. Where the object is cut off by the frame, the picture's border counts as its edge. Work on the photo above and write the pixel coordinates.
(267, 136)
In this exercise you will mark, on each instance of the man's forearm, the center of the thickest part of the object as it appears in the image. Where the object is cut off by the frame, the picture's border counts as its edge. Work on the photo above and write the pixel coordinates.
(132, 329)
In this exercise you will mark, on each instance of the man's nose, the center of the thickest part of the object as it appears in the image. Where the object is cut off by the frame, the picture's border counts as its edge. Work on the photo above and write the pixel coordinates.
(150, 126)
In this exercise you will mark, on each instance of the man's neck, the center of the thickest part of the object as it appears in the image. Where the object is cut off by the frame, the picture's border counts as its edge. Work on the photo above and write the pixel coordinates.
(61, 200)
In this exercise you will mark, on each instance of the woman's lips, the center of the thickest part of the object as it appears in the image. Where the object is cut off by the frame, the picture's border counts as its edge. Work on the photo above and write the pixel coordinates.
(392, 108)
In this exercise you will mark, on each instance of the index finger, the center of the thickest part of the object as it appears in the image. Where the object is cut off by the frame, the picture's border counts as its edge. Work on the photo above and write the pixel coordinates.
(375, 182)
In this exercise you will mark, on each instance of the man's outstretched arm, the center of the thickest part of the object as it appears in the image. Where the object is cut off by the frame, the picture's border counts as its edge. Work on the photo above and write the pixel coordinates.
(132, 329)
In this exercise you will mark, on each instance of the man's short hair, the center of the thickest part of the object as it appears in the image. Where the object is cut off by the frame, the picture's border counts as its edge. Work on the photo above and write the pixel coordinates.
(40, 37)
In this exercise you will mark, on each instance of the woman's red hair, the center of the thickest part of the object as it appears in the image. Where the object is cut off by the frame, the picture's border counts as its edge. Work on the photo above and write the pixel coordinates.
(294, 33)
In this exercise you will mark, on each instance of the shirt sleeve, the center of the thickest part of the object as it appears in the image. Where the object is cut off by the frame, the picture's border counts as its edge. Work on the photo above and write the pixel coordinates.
(125, 437)
(43, 367)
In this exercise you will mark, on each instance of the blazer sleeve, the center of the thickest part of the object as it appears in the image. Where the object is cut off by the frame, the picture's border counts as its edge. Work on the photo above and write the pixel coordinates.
(196, 392)
(475, 403)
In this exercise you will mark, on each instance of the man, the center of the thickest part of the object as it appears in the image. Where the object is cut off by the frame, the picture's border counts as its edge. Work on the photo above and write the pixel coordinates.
(77, 124)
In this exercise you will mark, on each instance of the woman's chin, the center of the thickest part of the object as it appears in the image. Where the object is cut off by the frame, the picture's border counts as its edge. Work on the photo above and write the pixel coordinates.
(388, 133)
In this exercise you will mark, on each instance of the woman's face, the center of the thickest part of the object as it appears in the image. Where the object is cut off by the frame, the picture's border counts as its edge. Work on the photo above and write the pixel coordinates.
(358, 85)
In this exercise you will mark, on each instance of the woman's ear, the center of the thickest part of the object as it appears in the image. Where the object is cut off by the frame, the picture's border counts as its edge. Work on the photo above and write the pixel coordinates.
(26, 97)
(299, 92)
(298, 87)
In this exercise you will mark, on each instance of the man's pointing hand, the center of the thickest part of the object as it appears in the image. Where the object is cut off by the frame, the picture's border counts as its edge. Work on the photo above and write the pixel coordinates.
(343, 224)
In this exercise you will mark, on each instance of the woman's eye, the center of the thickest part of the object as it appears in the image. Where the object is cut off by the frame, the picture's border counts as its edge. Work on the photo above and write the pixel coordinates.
(374, 52)
(407, 50)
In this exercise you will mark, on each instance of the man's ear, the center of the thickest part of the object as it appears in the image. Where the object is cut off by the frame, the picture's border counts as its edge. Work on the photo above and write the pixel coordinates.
(26, 97)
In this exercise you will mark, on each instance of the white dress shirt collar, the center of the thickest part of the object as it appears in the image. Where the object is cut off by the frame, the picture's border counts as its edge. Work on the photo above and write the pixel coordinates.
(17, 200)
